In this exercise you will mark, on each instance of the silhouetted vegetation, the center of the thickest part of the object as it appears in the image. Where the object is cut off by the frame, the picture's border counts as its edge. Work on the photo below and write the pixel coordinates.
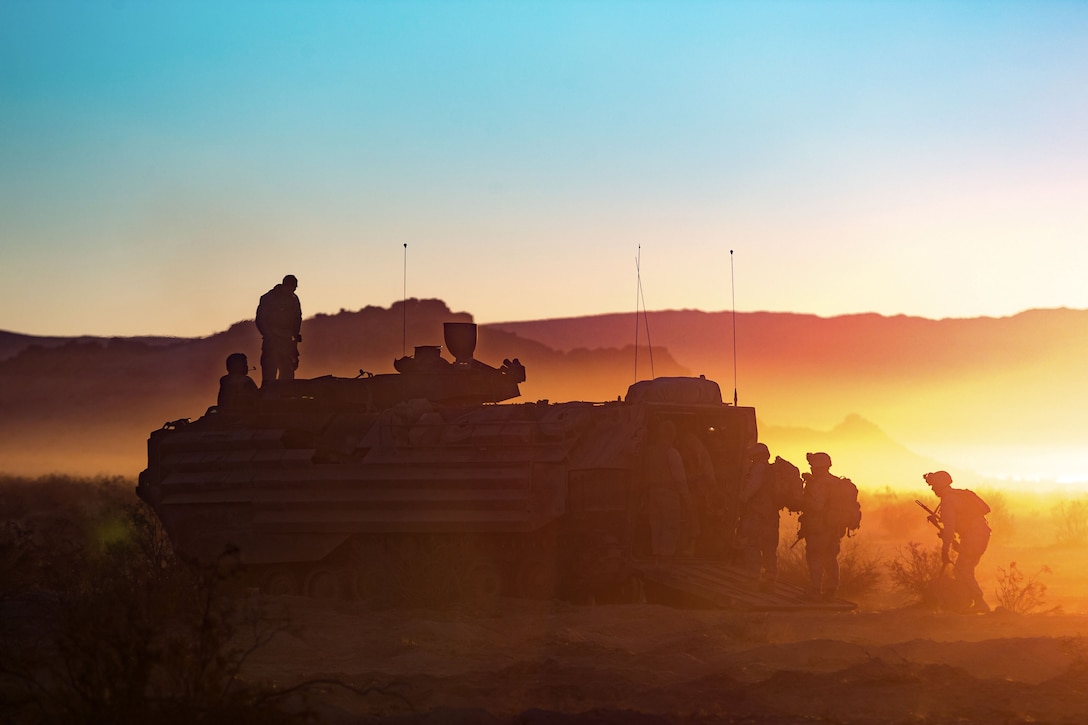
(1018, 592)
(1071, 522)
(103, 624)
(914, 569)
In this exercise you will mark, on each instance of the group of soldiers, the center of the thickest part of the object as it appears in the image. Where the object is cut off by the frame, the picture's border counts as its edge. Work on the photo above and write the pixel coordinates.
(829, 511)
(828, 507)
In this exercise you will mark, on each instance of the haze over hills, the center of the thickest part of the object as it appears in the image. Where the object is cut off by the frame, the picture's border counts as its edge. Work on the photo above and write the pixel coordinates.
(88, 405)
(1001, 395)
(890, 397)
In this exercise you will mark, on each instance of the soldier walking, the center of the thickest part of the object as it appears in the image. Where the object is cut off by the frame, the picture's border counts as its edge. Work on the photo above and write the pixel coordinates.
(962, 517)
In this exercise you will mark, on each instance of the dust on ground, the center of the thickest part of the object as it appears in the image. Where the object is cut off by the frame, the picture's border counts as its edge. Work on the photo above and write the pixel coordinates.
(523, 661)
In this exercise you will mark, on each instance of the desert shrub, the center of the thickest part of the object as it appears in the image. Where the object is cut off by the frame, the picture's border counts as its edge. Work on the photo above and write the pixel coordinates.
(116, 629)
(1070, 522)
(914, 569)
(1018, 592)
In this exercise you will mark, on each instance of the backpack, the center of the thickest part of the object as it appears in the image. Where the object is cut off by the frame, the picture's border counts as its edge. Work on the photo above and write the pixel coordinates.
(971, 502)
(843, 510)
(788, 487)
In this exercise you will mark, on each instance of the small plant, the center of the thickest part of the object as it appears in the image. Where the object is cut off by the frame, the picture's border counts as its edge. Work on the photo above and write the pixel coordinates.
(1018, 592)
(914, 569)
(1071, 522)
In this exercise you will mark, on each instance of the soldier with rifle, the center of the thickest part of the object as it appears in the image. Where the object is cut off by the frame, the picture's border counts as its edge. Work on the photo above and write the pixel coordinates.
(960, 519)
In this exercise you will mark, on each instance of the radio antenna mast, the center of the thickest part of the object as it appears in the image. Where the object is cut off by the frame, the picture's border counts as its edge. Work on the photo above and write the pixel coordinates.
(638, 293)
(404, 306)
(640, 297)
(733, 291)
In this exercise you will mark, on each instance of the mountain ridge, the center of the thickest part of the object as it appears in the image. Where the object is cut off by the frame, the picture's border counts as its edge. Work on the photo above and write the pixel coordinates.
(919, 381)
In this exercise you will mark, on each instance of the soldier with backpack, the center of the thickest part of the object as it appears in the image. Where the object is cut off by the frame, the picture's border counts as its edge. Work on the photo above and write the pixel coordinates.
(961, 517)
(829, 510)
(767, 488)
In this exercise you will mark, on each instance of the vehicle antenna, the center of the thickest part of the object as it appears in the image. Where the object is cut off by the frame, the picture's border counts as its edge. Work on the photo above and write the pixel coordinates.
(640, 297)
(638, 291)
(404, 306)
(733, 291)
(646, 323)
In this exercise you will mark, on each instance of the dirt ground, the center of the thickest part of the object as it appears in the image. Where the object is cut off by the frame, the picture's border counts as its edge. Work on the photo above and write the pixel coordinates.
(523, 661)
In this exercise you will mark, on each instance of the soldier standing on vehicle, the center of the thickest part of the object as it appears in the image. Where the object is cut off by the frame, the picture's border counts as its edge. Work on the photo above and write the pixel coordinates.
(829, 509)
(962, 517)
(279, 320)
(762, 495)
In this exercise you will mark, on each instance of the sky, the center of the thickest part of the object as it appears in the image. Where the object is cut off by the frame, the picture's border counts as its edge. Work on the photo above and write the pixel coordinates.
(164, 164)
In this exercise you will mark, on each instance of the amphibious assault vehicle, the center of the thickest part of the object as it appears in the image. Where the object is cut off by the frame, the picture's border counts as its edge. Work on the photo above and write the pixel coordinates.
(423, 485)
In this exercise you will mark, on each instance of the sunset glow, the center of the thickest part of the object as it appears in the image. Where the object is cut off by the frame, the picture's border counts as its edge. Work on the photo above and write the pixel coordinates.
(163, 163)
(416, 361)
(161, 166)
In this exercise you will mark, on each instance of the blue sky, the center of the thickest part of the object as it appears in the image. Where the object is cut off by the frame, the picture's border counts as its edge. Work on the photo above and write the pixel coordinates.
(163, 164)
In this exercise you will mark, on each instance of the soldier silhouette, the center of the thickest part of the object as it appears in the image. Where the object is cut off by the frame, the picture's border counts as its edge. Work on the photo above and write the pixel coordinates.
(829, 509)
(237, 391)
(962, 517)
(279, 320)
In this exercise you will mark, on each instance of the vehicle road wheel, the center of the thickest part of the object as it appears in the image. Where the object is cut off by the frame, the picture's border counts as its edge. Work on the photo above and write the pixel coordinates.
(537, 578)
(324, 583)
(281, 581)
(483, 581)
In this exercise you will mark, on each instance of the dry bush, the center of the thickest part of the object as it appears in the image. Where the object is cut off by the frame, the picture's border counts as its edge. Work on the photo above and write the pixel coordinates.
(112, 628)
(1018, 592)
(914, 569)
(1070, 522)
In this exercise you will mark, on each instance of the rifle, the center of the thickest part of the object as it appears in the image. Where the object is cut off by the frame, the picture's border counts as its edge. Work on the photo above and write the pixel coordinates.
(933, 517)
(800, 531)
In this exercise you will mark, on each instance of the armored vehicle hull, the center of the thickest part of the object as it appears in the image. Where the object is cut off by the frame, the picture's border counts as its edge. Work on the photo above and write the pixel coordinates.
(421, 486)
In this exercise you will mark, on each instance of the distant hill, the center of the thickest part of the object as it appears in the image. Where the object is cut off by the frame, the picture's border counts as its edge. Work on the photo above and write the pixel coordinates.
(888, 396)
(860, 451)
(1016, 380)
(12, 343)
(88, 404)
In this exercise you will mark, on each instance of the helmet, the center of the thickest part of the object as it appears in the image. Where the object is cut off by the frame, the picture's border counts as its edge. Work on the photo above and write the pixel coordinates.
(237, 363)
(820, 460)
(760, 451)
(938, 478)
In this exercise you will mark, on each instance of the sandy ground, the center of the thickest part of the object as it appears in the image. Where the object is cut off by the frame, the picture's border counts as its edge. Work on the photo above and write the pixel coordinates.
(522, 661)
